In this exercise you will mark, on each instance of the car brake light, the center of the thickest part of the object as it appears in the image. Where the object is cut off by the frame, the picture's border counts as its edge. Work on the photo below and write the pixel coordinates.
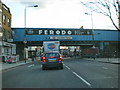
(43, 57)
(60, 57)
(60, 60)
(51, 56)
(44, 60)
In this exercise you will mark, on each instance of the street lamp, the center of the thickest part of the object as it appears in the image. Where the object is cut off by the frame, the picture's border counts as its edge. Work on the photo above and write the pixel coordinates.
(91, 25)
(92, 30)
(25, 13)
(91, 18)
(25, 40)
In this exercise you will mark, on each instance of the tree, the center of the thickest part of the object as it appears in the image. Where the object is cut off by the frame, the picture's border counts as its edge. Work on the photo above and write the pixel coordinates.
(109, 8)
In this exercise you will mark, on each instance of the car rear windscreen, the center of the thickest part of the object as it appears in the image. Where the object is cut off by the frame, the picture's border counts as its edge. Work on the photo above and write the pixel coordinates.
(52, 54)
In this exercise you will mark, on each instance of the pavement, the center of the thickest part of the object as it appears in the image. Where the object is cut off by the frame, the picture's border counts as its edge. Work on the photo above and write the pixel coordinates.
(4, 66)
(105, 60)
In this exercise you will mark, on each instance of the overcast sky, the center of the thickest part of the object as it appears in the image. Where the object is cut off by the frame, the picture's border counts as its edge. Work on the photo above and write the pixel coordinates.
(55, 14)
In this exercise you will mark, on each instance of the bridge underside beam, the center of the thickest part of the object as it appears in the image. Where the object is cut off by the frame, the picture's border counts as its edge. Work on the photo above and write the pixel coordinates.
(69, 43)
(62, 43)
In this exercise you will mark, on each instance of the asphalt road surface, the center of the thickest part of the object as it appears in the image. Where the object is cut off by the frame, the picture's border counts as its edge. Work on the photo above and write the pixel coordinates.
(77, 73)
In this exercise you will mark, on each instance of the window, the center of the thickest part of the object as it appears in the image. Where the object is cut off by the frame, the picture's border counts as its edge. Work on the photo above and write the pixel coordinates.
(9, 22)
(4, 19)
(52, 54)
(9, 35)
(4, 34)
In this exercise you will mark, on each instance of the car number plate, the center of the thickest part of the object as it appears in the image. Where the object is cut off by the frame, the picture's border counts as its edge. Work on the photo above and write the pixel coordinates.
(52, 60)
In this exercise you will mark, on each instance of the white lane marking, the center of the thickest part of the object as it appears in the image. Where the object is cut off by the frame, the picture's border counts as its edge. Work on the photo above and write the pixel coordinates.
(31, 65)
(79, 76)
(104, 68)
(41, 66)
(108, 77)
(82, 79)
(67, 67)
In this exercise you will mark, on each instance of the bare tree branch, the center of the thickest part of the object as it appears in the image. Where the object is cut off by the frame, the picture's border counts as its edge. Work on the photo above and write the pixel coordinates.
(100, 10)
(115, 7)
(106, 7)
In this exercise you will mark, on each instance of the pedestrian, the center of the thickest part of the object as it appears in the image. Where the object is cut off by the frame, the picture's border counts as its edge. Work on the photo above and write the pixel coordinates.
(25, 60)
(94, 56)
(32, 57)
(3, 59)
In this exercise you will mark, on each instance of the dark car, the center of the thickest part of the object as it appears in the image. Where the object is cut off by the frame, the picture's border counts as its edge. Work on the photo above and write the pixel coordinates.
(50, 60)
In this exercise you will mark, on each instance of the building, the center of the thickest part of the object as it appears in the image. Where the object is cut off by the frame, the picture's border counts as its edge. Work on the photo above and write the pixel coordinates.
(0, 30)
(6, 22)
(7, 48)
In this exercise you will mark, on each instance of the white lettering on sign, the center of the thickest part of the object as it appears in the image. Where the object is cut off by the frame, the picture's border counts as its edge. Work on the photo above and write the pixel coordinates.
(46, 32)
(88, 33)
(57, 32)
(69, 32)
(51, 32)
(63, 32)
(40, 31)
(61, 37)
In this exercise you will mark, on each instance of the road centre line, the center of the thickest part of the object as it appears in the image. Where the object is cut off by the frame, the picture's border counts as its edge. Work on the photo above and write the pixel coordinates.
(66, 66)
(79, 76)
(31, 65)
(82, 79)
(104, 68)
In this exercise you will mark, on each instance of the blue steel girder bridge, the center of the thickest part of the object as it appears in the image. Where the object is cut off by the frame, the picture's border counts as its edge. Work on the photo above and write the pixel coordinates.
(66, 36)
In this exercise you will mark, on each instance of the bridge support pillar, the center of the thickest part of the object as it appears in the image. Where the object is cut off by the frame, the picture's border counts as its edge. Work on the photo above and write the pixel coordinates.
(101, 45)
(20, 50)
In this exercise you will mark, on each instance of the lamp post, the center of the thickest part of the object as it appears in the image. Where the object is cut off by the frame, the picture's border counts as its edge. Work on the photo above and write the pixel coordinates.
(92, 31)
(91, 25)
(25, 13)
(25, 40)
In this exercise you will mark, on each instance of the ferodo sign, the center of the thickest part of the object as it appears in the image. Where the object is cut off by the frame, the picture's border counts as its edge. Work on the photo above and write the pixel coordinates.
(58, 32)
